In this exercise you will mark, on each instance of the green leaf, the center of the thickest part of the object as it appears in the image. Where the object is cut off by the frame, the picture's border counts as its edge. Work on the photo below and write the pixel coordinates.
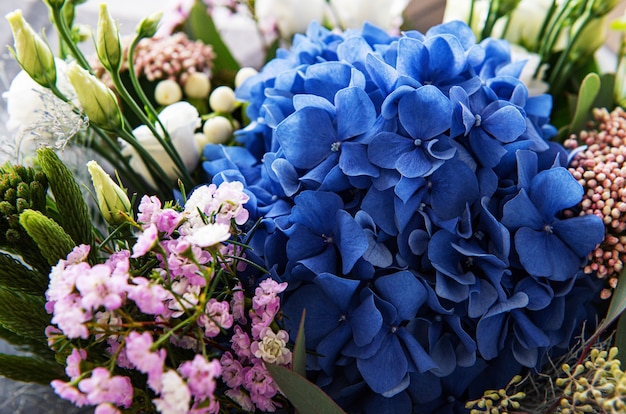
(29, 369)
(620, 340)
(305, 396)
(23, 314)
(52, 240)
(616, 307)
(299, 349)
(201, 26)
(588, 91)
(73, 211)
(15, 275)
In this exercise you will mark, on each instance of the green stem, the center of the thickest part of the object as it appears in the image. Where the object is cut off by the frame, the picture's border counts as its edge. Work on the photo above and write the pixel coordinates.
(166, 144)
(66, 36)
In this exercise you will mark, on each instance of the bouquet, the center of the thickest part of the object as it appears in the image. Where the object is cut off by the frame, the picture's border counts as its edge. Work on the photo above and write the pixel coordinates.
(373, 220)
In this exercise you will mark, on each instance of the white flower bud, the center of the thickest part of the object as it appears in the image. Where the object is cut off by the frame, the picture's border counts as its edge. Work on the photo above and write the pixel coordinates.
(222, 100)
(198, 85)
(112, 199)
(217, 130)
(108, 45)
(243, 74)
(167, 92)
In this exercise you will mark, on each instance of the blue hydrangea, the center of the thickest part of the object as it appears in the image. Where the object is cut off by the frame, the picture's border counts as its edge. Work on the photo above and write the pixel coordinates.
(407, 190)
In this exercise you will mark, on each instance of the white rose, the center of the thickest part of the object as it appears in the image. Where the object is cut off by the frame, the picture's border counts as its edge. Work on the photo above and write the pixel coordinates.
(351, 14)
(180, 121)
(241, 35)
(536, 86)
(290, 16)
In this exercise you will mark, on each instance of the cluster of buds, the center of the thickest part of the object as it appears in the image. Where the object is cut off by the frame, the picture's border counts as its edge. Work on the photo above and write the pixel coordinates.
(600, 168)
(597, 385)
(498, 401)
(175, 60)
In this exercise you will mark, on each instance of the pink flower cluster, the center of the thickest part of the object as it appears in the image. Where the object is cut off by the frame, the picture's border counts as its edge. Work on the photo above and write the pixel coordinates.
(176, 286)
(244, 371)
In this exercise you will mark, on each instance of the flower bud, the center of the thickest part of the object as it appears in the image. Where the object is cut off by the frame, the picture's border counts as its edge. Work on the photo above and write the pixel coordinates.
(167, 92)
(148, 26)
(32, 53)
(108, 44)
(217, 130)
(55, 4)
(243, 74)
(97, 100)
(112, 199)
(222, 100)
(198, 85)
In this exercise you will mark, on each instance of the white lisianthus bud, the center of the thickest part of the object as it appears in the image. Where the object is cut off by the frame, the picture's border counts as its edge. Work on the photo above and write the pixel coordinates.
(353, 13)
(222, 100)
(168, 92)
(180, 120)
(198, 85)
(112, 199)
(108, 45)
(244, 74)
(291, 16)
(96, 99)
(32, 53)
(217, 130)
(148, 26)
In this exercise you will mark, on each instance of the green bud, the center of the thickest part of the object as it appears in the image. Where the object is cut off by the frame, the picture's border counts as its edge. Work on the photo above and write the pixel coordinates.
(112, 199)
(53, 242)
(55, 4)
(108, 44)
(97, 100)
(148, 26)
(33, 54)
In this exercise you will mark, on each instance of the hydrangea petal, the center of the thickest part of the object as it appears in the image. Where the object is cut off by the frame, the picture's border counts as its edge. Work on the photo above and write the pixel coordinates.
(544, 254)
(355, 112)
(582, 234)
(428, 99)
(391, 360)
(554, 190)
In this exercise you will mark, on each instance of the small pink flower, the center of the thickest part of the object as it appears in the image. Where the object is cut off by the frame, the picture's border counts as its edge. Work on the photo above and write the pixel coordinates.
(99, 287)
(232, 370)
(238, 304)
(146, 241)
(215, 318)
(175, 396)
(70, 317)
(68, 392)
(149, 207)
(241, 398)
(200, 375)
(101, 387)
(72, 369)
(241, 344)
(106, 408)
(78, 254)
(139, 353)
(260, 385)
(149, 297)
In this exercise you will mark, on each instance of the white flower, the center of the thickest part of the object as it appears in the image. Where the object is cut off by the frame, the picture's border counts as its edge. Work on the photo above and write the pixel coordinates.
(272, 348)
(525, 24)
(180, 120)
(240, 33)
(384, 13)
(198, 85)
(175, 395)
(222, 100)
(167, 92)
(209, 235)
(290, 16)
(217, 130)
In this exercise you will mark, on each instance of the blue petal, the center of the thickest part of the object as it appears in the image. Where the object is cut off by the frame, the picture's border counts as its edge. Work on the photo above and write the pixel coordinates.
(554, 190)
(489, 335)
(351, 240)
(506, 124)
(338, 289)
(390, 360)
(383, 75)
(316, 210)
(413, 58)
(353, 160)
(521, 212)
(425, 113)
(415, 163)
(454, 185)
(387, 147)
(544, 254)
(447, 57)
(582, 234)
(355, 112)
(366, 322)
(404, 291)
(326, 78)
(306, 137)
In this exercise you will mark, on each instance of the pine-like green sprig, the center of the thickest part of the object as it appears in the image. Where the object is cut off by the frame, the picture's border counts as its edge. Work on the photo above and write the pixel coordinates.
(15, 275)
(52, 240)
(73, 211)
(23, 314)
(29, 369)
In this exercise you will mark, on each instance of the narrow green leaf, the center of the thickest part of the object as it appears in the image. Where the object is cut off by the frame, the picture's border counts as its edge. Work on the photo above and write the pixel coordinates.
(29, 369)
(23, 314)
(73, 211)
(14, 275)
(299, 349)
(52, 240)
(617, 305)
(201, 26)
(588, 91)
(305, 396)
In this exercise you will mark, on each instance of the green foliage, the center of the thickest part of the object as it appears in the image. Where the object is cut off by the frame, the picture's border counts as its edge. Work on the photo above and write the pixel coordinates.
(29, 369)
(23, 314)
(73, 212)
(200, 26)
(15, 275)
(306, 397)
(52, 240)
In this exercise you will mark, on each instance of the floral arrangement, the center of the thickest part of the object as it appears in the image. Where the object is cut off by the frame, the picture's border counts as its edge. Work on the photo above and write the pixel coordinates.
(368, 220)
